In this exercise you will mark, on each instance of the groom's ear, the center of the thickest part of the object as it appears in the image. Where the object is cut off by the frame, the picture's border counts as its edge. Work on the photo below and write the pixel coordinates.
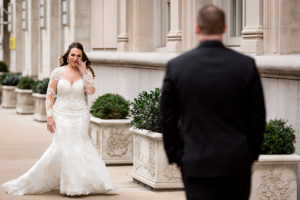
(225, 28)
(197, 29)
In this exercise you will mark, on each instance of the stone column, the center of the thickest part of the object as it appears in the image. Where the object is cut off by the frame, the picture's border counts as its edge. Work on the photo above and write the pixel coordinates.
(50, 50)
(252, 34)
(174, 43)
(123, 25)
(78, 29)
(282, 35)
(5, 52)
(141, 24)
(31, 39)
(16, 55)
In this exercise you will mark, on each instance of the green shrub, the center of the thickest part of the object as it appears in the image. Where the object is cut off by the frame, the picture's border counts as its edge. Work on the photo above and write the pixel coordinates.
(279, 138)
(41, 86)
(110, 106)
(10, 79)
(3, 67)
(145, 111)
(2, 76)
(26, 83)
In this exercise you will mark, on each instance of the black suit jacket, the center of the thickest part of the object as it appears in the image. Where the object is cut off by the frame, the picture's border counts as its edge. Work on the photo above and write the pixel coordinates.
(218, 95)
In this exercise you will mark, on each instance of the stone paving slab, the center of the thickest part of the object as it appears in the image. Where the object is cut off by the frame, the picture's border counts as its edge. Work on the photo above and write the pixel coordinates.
(23, 141)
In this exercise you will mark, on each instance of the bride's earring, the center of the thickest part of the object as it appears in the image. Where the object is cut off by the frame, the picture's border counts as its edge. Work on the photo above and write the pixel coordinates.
(67, 61)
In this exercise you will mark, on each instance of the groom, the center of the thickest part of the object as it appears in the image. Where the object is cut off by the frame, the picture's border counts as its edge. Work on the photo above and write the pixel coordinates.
(217, 94)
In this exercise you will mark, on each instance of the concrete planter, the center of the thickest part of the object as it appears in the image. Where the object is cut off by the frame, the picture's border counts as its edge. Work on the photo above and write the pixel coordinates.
(150, 164)
(9, 97)
(112, 140)
(39, 111)
(275, 177)
(24, 101)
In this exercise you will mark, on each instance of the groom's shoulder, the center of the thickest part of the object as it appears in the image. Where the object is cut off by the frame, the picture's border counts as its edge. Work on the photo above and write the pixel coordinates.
(184, 58)
(238, 56)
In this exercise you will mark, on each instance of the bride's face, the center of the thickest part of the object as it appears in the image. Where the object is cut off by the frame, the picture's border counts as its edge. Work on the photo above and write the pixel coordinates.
(74, 56)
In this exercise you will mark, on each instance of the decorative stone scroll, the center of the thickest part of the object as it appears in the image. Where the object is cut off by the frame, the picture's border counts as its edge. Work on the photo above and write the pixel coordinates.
(275, 177)
(112, 139)
(150, 164)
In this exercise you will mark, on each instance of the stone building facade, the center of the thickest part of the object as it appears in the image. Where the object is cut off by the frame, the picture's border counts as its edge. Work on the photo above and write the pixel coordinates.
(130, 41)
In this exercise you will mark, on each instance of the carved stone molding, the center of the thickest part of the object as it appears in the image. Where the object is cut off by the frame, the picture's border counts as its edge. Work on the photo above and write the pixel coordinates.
(275, 177)
(150, 165)
(112, 140)
(275, 186)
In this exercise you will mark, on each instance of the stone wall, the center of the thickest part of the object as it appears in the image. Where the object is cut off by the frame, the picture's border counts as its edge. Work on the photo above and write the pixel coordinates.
(130, 73)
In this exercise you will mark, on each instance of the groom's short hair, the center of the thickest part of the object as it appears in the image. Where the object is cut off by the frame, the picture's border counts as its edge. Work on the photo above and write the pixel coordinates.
(211, 20)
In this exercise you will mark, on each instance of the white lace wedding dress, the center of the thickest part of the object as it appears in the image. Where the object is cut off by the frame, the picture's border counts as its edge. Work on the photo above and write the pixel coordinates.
(71, 164)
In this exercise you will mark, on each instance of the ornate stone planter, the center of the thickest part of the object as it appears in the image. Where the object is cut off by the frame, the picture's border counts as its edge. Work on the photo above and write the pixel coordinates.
(39, 111)
(112, 140)
(0, 93)
(150, 164)
(9, 98)
(275, 177)
(0, 86)
(24, 101)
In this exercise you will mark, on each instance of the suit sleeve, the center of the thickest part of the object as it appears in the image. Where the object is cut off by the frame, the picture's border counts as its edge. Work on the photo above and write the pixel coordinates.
(169, 115)
(257, 115)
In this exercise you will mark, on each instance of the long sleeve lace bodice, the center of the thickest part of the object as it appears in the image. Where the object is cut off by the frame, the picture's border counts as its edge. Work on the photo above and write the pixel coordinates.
(59, 86)
(88, 81)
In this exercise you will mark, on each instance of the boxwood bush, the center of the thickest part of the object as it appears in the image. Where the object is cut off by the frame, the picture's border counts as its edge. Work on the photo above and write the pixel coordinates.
(110, 106)
(3, 67)
(145, 111)
(10, 79)
(279, 138)
(26, 83)
(41, 86)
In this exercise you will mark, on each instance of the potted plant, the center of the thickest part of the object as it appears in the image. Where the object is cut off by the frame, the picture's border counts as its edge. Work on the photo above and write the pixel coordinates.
(150, 164)
(3, 70)
(9, 82)
(110, 129)
(24, 95)
(274, 175)
(39, 97)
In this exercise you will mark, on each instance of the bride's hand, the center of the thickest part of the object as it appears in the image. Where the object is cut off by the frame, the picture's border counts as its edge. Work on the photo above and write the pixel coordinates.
(51, 124)
(82, 66)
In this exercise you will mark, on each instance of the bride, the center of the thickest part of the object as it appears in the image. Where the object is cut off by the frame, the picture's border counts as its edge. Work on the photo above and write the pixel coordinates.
(71, 164)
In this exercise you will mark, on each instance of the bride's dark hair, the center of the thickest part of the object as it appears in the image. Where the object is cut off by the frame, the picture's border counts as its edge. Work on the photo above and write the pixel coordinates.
(64, 59)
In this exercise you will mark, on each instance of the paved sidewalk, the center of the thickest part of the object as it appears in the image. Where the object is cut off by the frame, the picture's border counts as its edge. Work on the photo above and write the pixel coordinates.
(23, 141)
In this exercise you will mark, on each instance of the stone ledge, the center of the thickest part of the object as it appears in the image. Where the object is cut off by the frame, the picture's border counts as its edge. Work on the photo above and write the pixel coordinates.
(8, 87)
(281, 158)
(23, 91)
(151, 60)
(38, 95)
(109, 121)
(274, 66)
(147, 133)
(281, 66)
